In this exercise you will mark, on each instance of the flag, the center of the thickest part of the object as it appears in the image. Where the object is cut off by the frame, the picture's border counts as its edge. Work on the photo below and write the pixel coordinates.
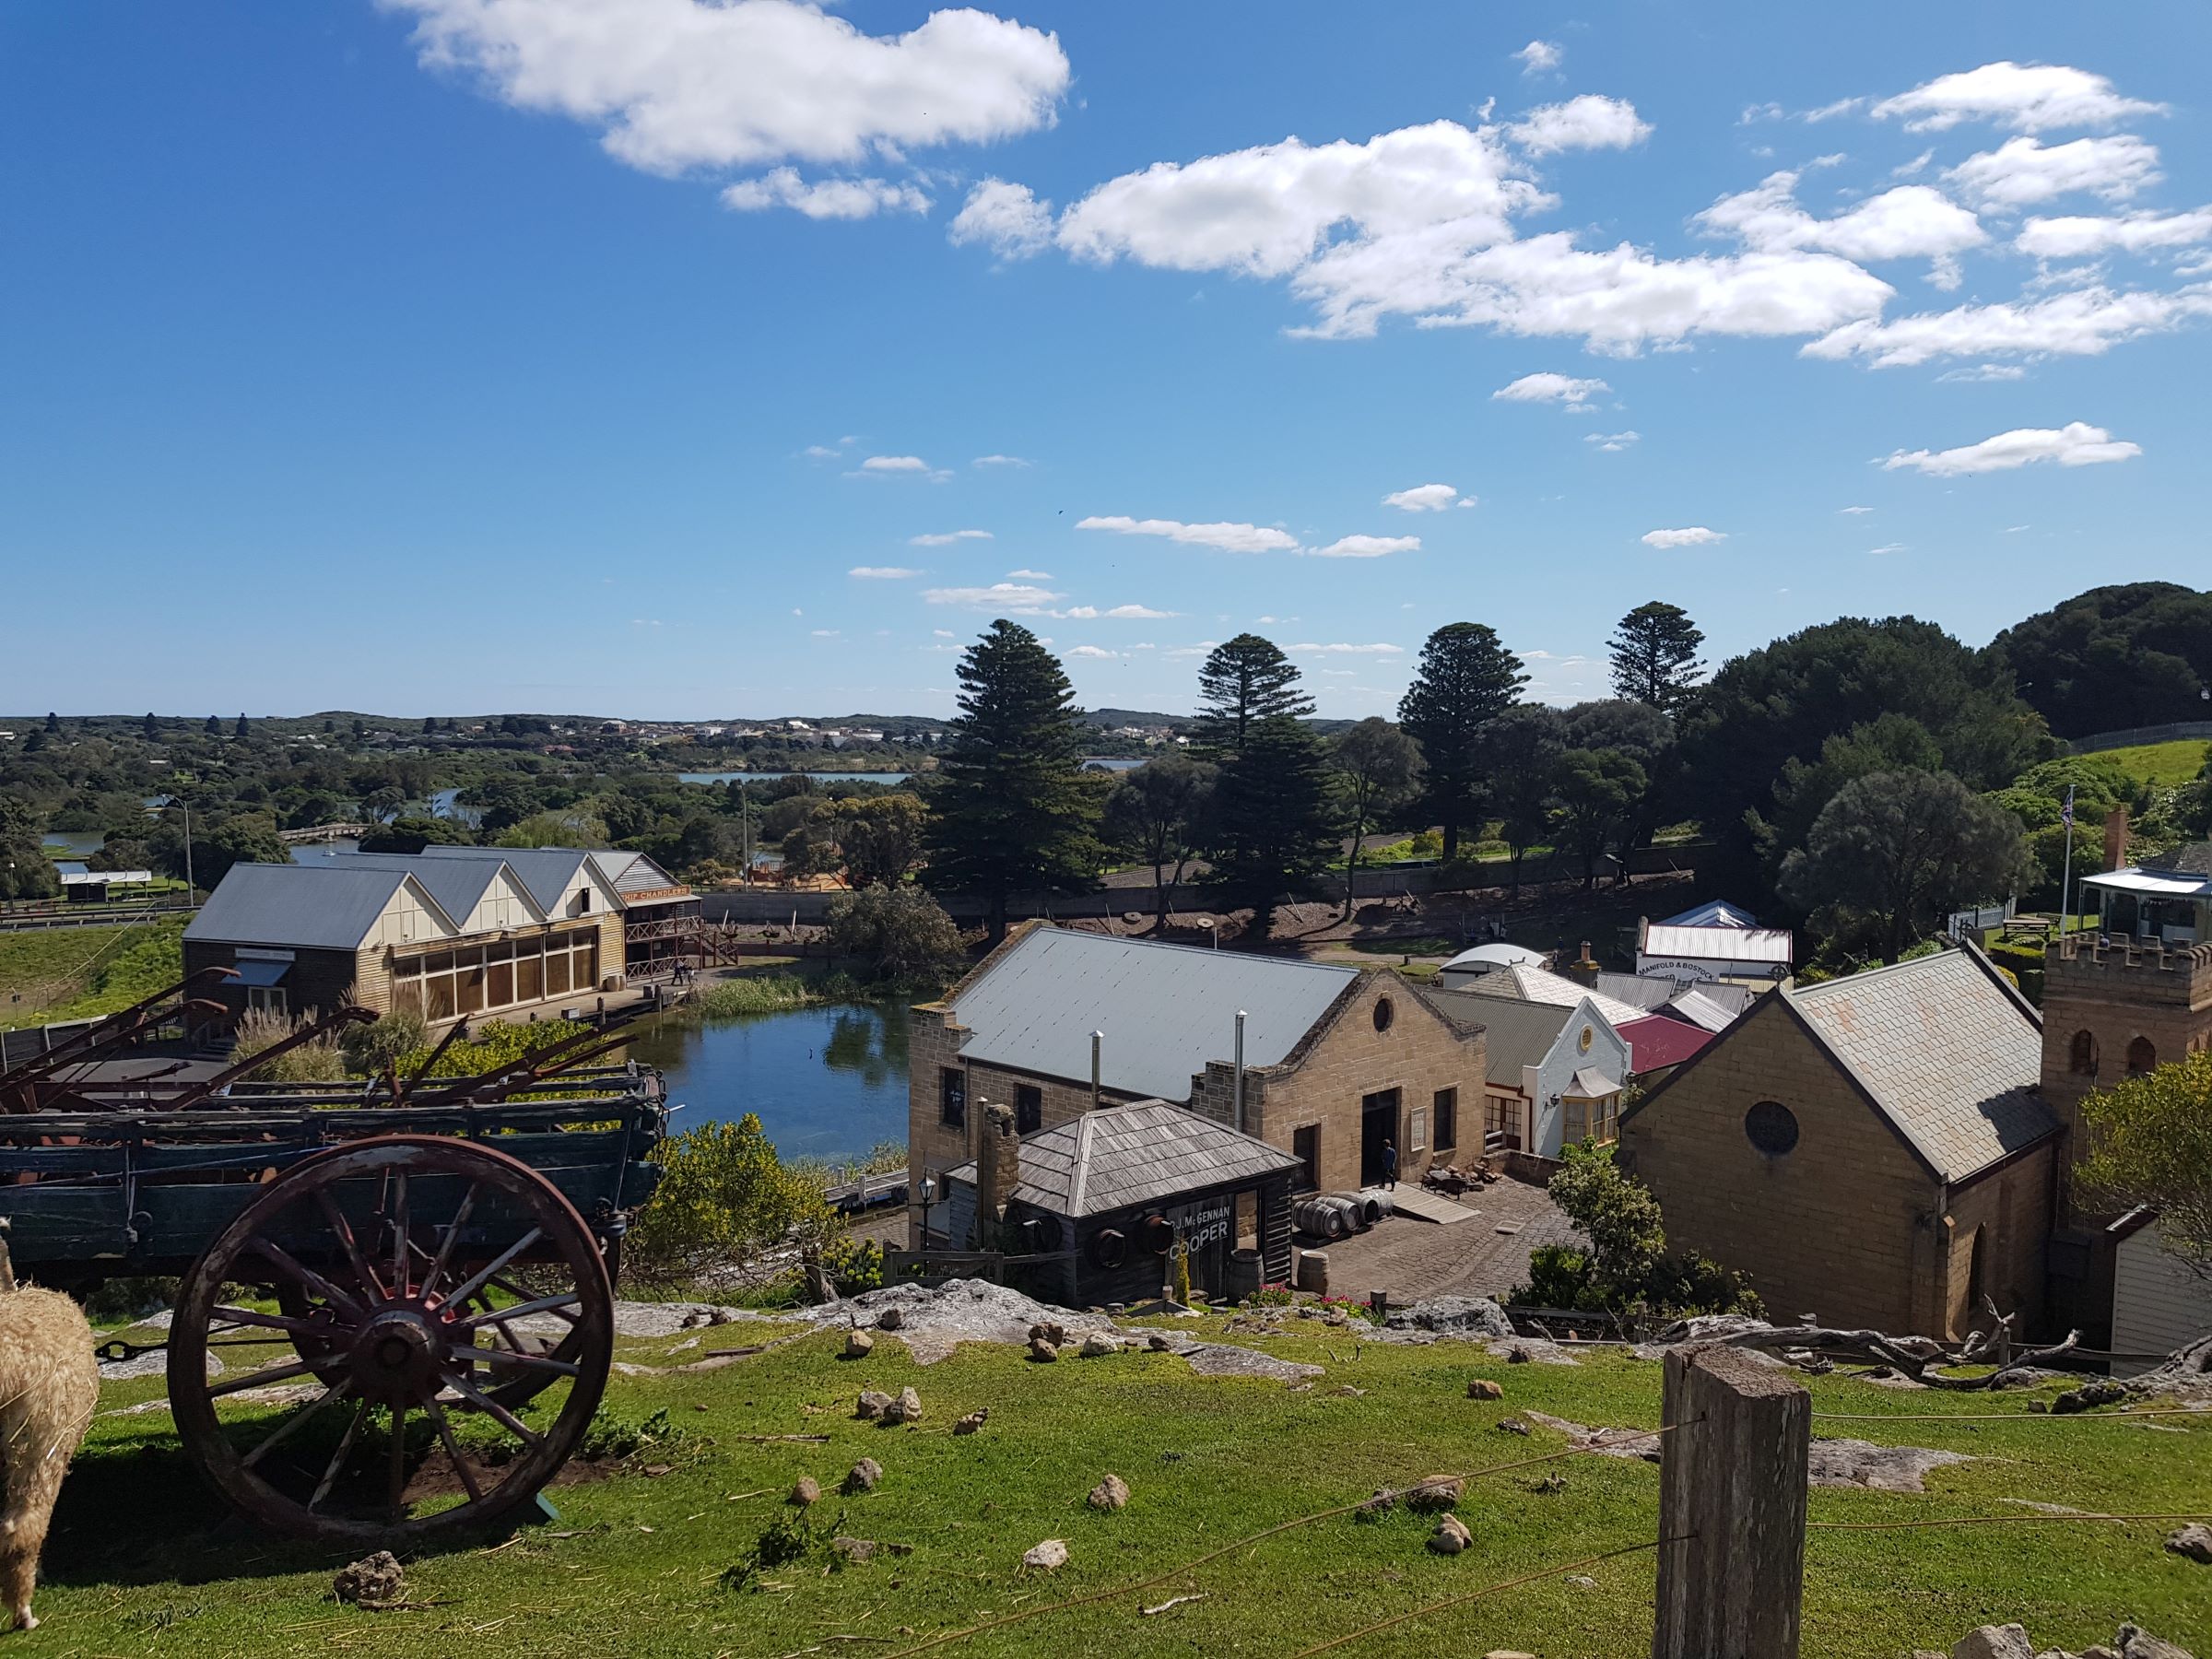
(2065, 813)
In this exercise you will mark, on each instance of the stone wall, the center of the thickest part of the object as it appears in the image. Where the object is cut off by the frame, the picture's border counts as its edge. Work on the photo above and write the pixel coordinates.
(2011, 1209)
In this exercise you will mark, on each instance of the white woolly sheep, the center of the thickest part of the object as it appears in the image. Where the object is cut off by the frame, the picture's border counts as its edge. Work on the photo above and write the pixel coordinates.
(48, 1385)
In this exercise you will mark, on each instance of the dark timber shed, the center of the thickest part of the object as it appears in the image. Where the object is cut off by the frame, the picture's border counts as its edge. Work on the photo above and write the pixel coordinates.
(1120, 1187)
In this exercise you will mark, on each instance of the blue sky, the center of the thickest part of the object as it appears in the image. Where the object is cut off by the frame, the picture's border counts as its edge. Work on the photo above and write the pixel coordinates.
(451, 356)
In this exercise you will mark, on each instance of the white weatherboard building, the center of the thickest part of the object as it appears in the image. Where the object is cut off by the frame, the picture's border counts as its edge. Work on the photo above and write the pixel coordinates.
(2158, 1303)
(1693, 956)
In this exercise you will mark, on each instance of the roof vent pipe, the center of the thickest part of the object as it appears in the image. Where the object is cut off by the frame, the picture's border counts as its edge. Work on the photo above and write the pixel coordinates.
(1097, 1037)
(1239, 1089)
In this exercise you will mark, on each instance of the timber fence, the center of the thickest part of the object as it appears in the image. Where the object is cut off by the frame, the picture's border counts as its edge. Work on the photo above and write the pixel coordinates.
(1731, 1532)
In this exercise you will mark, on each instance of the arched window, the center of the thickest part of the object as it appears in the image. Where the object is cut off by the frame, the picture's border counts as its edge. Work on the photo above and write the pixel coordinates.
(2082, 1058)
(2141, 1058)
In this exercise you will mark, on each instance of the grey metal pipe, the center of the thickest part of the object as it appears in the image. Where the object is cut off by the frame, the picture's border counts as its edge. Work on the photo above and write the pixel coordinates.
(1097, 1039)
(1240, 1091)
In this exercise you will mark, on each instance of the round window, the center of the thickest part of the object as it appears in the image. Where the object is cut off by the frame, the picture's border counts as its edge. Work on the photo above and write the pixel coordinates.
(1771, 1128)
(1588, 1037)
(1384, 1012)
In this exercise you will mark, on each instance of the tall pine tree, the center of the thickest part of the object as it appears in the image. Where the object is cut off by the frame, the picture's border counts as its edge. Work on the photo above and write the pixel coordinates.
(1465, 678)
(1009, 811)
(1654, 652)
(1274, 828)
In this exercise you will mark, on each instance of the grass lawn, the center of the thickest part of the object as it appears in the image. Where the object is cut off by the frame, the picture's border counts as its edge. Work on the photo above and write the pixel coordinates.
(94, 969)
(2162, 765)
(141, 1561)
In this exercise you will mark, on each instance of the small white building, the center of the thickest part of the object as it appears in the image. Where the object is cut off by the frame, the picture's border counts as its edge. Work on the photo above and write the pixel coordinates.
(1725, 955)
(1471, 965)
(2158, 1303)
(1553, 1071)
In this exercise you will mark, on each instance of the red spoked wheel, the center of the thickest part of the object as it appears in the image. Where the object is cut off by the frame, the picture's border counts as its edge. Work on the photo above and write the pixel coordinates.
(437, 1294)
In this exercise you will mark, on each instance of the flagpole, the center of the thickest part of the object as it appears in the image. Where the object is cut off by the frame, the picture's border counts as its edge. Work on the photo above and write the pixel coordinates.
(2066, 885)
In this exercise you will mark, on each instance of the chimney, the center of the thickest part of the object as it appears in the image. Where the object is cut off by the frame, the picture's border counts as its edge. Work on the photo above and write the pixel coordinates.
(1584, 967)
(997, 1170)
(2116, 838)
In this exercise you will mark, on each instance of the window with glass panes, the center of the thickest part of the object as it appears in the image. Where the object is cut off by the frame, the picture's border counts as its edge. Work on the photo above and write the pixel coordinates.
(499, 973)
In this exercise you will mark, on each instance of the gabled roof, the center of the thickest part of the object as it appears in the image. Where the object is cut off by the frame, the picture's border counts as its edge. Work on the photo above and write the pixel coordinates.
(1542, 986)
(1714, 913)
(1122, 1156)
(1708, 1011)
(328, 905)
(1637, 990)
(1515, 1033)
(1486, 956)
(545, 871)
(1944, 1049)
(1166, 1009)
(458, 885)
(630, 873)
(1763, 948)
(1656, 1042)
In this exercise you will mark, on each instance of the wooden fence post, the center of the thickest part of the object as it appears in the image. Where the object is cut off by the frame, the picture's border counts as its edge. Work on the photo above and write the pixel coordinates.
(1732, 1493)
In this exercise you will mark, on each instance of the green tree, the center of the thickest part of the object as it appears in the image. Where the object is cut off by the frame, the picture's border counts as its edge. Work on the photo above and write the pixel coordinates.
(1655, 653)
(240, 730)
(1162, 812)
(1244, 681)
(1895, 851)
(879, 837)
(1273, 826)
(242, 838)
(1009, 810)
(1890, 743)
(2138, 653)
(151, 729)
(897, 934)
(2150, 1143)
(413, 833)
(1616, 1212)
(724, 1199)
(214, 728)
(1517, 753)
(1378, 768)
(54, 723)
(1598, 792)
(1465, 679)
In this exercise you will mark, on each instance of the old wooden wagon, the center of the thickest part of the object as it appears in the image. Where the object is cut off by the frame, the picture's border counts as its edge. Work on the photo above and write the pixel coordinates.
(395, 1316)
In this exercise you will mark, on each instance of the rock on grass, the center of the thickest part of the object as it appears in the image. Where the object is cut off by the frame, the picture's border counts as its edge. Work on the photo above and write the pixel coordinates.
(1112, 1493)
(1047, 1557)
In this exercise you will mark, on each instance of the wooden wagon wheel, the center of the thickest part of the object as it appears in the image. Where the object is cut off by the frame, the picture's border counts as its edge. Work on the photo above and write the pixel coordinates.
(387, 1254)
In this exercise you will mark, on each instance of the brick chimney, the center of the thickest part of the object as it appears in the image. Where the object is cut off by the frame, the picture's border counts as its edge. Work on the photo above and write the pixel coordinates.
(1584, 967)
(2116, 838)
(997, 1171)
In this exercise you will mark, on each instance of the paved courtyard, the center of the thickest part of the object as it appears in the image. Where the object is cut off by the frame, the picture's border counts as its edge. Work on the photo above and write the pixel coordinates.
(1410, 1258)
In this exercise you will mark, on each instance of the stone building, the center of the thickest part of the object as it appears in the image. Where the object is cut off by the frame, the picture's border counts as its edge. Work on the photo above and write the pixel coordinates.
(1871, 1149)
(1337, 1060)
(1553, 1072)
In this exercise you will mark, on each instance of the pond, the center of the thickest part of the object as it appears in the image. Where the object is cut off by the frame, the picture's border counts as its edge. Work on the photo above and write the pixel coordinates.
(826, 1083)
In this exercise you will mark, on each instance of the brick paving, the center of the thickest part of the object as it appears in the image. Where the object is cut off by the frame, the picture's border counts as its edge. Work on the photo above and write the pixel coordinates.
(1411, 1259)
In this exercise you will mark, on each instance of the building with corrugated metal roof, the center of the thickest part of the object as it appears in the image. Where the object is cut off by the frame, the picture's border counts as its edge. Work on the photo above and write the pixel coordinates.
(1340, 1062)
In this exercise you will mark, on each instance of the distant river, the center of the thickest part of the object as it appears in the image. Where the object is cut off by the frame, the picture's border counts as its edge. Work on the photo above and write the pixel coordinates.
(777, 777)
(827, 1083)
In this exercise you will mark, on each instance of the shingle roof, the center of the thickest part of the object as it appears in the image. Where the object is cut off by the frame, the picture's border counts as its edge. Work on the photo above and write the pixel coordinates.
(1945, 1051)
(326, 905)
(1542, 986)
(1166, 1009)
(1514, 1032)
(1121, 1157)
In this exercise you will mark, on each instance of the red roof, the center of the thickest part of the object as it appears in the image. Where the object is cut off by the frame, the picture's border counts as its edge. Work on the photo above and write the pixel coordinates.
(1656, 1042)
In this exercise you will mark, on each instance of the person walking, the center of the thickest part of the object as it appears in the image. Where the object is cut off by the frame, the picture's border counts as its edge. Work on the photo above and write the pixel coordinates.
(1390, 1166)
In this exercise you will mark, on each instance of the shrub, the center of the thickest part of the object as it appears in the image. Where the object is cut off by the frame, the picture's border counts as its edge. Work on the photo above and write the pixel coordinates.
(853, 1265)
(724, 1199)
(897, 934)
(369, 1050)
(314, 1062)
(1627, 1266)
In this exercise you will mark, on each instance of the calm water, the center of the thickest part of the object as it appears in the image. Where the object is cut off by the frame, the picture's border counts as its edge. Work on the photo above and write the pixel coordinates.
(1110, 763)
(820, 778)
(827, 1083)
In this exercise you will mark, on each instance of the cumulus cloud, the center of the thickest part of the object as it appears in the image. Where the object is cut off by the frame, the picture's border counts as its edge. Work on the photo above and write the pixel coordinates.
(1030, 575)
(1014, 598)
(1912, 221)
(1123, 613)
(1540, 57)
(1000, 461)
(825, 199)
(1570, 393)
(673, 84)
(1585, 122)
(1227, 537)
(1310, 648)
(1368, 546)
(1982, 374)
(822, 451)
(2074, 445)
(945, 539)
(2082, 323)
(1696, 535)
(1007, 219)
(882, 573)
(2021, 172)
(899, 466)
(1611, 441)
(1426, 498)
(2028, 97)
(2076, 237)
(1092, 651)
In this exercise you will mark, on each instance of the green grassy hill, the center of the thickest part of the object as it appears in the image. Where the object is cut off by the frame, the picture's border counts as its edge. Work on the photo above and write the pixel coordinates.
(142, 1561)
(54, 974)
(2162, 765)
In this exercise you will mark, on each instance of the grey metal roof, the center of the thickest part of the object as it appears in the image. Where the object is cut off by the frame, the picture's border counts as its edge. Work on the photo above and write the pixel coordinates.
(1514, 1033)
(1713, 912)
(630, 873)
(1122, 1156)
(1949, 1055)
(1542, 986)
(1166, 1009)
(458, 885)
(1486, 956)
(545, 871)
(1707, 1012)
(1637, 990)
(322, 906)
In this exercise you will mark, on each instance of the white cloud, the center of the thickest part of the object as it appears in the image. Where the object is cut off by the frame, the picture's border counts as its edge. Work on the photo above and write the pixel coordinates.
(1769, 111)
(1696, 535)
(1092, 651)
(1007, 219)
(826, 198)
(1573, 395)
(1030, 575)
(882, 573)
(2135, 233)
(1368, 546)
(825, 633)
(1000, 461)
(1341, 650)
(2083, 322)
(943, 634)
(945, 539)
(1912, 221)
(1426, 498)
(1014, 598)
(1585, 122)
(2074, 445)
(1611, 441)
(2028, 97)
(899, 466)
(822, 451)
(1842, 106)
(1228, 537)
(1982, 374)
(1888, 547)
(1124, 613)
(675, 84)
(1854, 509)
(1539, 58)
(2021, 172)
